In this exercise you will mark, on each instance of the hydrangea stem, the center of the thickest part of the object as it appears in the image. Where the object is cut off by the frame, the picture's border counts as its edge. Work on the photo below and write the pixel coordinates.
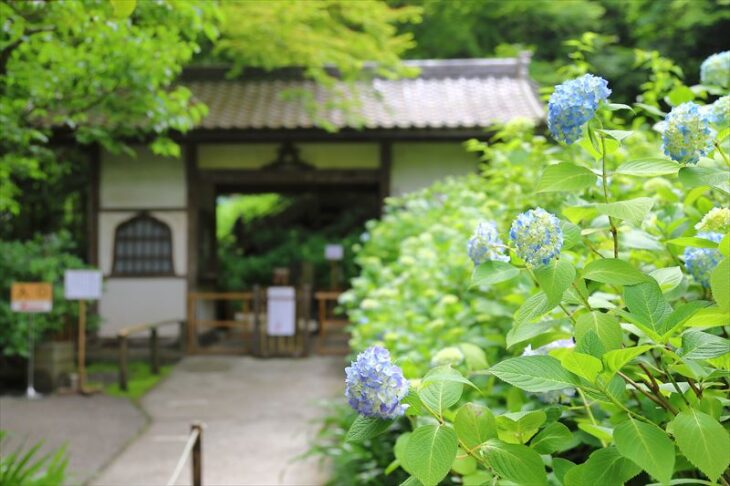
(604, 179)
(722, 153)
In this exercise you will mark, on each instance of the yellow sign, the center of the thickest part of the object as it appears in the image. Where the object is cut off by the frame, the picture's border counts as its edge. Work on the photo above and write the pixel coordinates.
(31, 297)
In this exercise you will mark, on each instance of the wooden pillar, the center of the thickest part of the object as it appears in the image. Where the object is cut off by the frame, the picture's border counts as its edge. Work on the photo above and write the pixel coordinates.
(386, 162)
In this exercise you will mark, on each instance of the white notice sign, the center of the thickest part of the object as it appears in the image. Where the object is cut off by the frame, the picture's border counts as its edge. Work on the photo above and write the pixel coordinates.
(333, 252)
(281, 311)
(82, 284)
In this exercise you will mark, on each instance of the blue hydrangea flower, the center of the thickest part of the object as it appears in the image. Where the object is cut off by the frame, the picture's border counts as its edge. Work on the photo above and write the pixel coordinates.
(374, 386)
(715, 70)
(719, 111)
(537, 236)
(700, 262)
(573, 104)
(686, 133)
(486, 244)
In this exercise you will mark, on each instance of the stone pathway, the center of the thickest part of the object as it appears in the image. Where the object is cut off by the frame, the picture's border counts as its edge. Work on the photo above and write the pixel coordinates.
(94, 429)
(259, 416)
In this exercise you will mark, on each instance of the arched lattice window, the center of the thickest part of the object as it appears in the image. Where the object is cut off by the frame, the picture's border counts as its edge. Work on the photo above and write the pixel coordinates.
(143, 246)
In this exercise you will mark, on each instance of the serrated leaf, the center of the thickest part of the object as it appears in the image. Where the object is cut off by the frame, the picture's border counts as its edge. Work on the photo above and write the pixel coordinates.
(445, 373)
(555, 278)
(123, 8)
(519, 427)
(618, 135)
(668, 278)
(618, 358)
(565, 177)
(534, 307)
(720, 284)
(702, 345)
(647, 305)
(429, 453)
(534, 373)
(474, 425)
(702, 440)
(613, 271)
(554, 437)
(634, 210)
(604, 325)
(492, 272)
(514, 462)
(646, 445)
(526, 331)
(681, 314)
(583, 365)
(708, 317)
(648, 167)
(705, 176)
(439, 395)
(618, 106)
(692, 241)
(366, 428)
(605, 467)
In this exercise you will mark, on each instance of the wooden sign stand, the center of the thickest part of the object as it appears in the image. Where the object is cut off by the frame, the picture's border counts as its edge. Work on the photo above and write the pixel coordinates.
(82, 352)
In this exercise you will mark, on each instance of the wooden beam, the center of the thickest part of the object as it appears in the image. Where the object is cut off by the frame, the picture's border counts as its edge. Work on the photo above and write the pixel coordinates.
(290, 178)
(93, 206)
(191, 176)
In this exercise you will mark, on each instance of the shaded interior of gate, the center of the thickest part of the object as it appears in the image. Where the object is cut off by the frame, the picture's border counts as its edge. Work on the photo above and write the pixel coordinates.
(227, 309)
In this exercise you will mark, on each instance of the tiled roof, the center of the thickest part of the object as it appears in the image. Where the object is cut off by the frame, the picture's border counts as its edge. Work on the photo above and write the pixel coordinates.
(447, 94)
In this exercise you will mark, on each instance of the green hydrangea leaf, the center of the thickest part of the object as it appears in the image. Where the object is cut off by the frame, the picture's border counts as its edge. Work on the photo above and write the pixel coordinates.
(534, 373)
(702, 440)
(366, 428)
(515, 462)
(646, 445)
(430, 452)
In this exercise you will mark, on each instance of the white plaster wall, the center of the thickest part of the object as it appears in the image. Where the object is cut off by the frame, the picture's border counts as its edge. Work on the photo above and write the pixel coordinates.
(321, 155)
(416, 165)
(144, 181)
(128, 301)
(176, 220)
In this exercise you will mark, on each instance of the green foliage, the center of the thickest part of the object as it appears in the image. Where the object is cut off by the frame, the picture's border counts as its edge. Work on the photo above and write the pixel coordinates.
(43, 259)
(26, 467)
(78, 67)
(140, 378)
(636, 390)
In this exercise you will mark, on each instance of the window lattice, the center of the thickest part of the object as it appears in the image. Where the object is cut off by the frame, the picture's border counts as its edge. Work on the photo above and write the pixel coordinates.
(143, 246)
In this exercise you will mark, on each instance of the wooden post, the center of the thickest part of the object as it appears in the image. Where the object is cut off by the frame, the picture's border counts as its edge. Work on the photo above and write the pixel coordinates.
(123, 362)
(82, 345)
(192, 345)
(258, 334)
(197, 461)
(154, 357)
(182, 334)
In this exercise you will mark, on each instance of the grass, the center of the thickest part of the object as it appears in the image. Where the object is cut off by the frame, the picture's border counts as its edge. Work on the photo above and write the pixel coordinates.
(139, 378)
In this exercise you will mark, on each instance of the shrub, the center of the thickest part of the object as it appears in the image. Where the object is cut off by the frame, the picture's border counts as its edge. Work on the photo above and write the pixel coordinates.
(43, 259)
(615, 360)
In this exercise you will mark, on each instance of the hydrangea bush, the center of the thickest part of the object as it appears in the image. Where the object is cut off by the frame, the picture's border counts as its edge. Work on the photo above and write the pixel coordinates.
(615, 360)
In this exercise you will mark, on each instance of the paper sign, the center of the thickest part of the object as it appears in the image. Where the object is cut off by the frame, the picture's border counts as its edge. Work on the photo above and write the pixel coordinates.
(333, 252)
(281, 311)
(82, 284)
(31, 297)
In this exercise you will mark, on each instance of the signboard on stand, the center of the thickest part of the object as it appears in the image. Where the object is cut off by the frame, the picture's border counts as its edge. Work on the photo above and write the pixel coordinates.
(31, 298)
(280, 311)
(82, 285)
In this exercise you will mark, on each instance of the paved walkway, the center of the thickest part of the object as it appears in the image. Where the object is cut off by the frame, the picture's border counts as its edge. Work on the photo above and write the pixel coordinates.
(259, 416)
(94, 429)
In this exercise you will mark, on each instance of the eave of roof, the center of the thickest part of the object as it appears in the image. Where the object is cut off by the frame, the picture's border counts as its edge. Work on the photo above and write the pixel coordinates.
(455, 94)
